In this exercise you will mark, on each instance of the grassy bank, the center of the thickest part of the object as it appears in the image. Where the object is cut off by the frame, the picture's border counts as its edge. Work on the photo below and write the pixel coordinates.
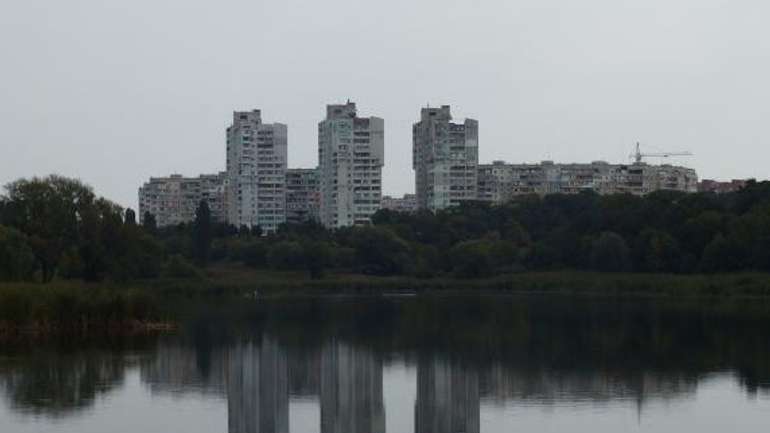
(72, 306)
(241, 280)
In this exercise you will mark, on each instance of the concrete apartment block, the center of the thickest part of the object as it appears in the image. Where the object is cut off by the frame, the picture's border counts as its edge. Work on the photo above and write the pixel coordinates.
(174, 199)
(405, 204)
(351, 153)
(256, 172)
(445, 158)
(500, 182)
(302, 195)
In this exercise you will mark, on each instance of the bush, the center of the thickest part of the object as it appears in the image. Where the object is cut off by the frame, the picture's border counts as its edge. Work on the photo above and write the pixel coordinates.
(286, 255)
(178, 267)
(472, 259)
(610, 253)
(17, 260)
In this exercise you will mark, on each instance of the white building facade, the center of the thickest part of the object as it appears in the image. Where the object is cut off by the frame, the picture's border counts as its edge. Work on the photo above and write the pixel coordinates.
(256, 172)
(174, 199)
(499, 182)
(351, 154)
(302, 196)
(445, 158)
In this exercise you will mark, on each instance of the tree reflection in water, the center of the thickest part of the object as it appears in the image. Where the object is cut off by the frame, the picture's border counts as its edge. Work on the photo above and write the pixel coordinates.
(468, 352)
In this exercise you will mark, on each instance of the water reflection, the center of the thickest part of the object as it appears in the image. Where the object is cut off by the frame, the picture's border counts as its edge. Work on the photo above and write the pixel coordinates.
(447, 397)
(258, 388)
(465, 355)
(61, 384)
(351, 390)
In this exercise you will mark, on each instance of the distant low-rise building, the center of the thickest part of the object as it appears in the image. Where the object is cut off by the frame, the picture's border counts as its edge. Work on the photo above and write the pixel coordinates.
(406, 204)
(174, 199)
(719, 187)
(499, 182)
(302, 195)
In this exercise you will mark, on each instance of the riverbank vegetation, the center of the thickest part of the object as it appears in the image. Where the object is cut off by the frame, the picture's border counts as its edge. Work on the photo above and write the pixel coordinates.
(57, 229)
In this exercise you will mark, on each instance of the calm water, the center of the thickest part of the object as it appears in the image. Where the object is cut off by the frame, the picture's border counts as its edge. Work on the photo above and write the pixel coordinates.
(437, 365)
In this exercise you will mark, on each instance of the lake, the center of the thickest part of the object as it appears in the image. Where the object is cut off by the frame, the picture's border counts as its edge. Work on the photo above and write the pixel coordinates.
(423, 364)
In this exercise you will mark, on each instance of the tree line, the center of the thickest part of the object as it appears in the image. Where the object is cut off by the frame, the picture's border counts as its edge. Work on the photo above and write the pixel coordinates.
(57, 227)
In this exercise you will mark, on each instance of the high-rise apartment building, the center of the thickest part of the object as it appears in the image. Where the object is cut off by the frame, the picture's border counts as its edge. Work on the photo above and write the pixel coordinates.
(350, 158)
(256, 172)
(173, 200)
(302, 196)
(445, 158)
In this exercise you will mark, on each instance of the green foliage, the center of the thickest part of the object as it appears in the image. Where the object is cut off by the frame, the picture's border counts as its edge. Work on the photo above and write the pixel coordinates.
(316, 257)
(74, 307)
(17, 260)
(379, 251)
(74, 234)
(130, 217)
(286, 255)
(149, 223)
(202, 233)
(178, 267)
(471, 259)
(610, 253)
(658, 251)
(71, 233)
(47, 211)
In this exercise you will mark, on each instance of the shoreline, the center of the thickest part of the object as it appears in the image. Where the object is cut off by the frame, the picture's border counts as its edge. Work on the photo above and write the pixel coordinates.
(155, 306)
(61, 308)
(239, 281)
(10, 331)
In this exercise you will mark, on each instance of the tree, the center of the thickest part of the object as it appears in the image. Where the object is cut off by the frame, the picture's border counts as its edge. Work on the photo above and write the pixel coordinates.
(130, 217)
(48, 210)
(202, 233)
(472, 259)
(316, 257)
(149, 223)
(658, 251)
(17, 260)
(610, 253)
(286, 255)
(378, 250)
(99, 238)
(723, 254)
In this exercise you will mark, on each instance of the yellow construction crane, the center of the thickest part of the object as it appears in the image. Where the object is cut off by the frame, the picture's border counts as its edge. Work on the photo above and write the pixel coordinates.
(638, 155)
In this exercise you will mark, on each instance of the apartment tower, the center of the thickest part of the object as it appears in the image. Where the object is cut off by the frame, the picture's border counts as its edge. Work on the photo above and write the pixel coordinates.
(445, 158)
(256, 172)
(350, 158)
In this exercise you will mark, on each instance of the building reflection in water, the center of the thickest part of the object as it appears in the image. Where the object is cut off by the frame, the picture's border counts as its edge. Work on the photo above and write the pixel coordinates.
(351, 390)
(179, 369)
(447, 397)
(258, 388)
(501, 384)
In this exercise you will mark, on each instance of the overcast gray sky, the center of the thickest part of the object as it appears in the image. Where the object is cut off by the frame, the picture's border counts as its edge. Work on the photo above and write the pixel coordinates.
(114, 92)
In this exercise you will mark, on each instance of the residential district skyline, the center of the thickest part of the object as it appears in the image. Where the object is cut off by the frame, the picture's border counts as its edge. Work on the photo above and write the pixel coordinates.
(115, 93)
(345, 188)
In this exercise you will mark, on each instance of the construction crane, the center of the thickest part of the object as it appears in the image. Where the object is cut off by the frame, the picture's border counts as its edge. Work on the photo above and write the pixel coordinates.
(639, 155)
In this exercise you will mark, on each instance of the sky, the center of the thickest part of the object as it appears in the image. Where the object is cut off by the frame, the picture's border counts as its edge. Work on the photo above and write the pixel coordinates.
(113, 92)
